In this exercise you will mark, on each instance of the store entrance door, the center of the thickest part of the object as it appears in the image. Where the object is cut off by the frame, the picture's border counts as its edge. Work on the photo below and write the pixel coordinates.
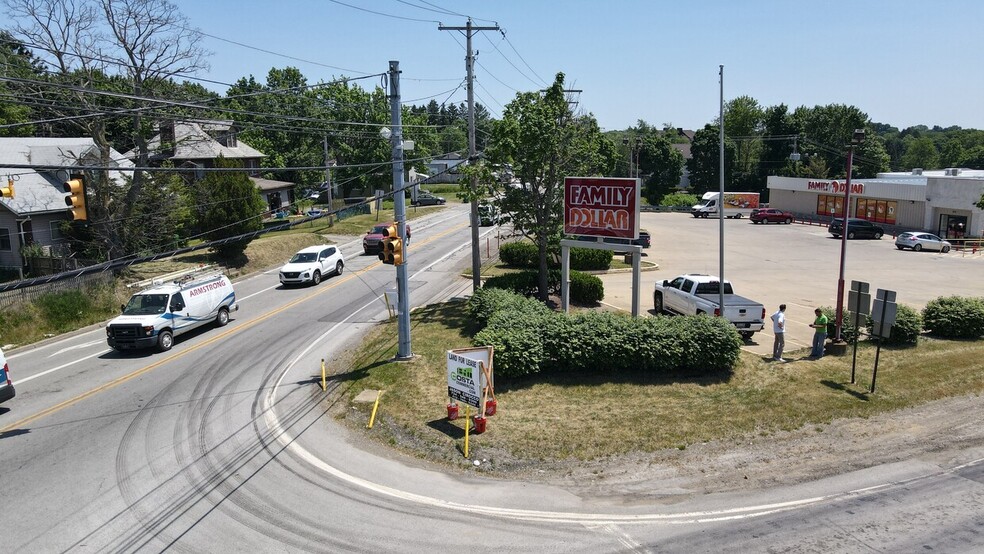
(952, 226)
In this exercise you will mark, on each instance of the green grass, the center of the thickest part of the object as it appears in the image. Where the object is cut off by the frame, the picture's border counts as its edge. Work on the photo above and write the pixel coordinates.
(590, 416)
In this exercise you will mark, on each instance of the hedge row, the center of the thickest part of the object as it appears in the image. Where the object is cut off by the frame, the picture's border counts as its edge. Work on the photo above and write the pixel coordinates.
(525, 254)
(947, 317)
(585, 288)
(529, 339)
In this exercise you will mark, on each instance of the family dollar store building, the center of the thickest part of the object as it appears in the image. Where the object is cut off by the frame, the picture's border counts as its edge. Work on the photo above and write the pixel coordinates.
(938, 201)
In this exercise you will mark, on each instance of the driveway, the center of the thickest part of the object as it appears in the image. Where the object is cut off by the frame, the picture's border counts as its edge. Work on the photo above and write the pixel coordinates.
(793, 264)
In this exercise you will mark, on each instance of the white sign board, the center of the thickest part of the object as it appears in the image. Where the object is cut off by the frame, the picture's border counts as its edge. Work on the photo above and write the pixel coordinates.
(465, 377)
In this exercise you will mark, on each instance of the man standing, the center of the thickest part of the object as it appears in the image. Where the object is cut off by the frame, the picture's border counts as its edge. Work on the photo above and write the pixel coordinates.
(779, 329)
(820, 333)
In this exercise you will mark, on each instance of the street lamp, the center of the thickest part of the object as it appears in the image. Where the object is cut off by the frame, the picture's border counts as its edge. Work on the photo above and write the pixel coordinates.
(856, 139)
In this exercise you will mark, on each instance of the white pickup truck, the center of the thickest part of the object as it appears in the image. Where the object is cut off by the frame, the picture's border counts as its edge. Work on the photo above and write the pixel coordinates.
(695, 293)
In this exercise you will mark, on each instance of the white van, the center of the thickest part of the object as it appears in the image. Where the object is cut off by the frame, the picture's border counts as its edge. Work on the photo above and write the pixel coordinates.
(6, 386)
(154, 316)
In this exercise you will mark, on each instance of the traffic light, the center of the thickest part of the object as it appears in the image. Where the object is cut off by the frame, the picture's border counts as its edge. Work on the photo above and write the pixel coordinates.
(76, 199)
(392, 251)
(7, 191)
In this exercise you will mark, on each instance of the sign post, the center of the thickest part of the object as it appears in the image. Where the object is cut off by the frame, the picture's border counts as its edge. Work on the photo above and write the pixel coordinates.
(884, 313)
(858, 302)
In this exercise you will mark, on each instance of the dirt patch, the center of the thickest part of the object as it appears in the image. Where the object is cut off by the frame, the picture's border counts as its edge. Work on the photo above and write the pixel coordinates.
(937, 431)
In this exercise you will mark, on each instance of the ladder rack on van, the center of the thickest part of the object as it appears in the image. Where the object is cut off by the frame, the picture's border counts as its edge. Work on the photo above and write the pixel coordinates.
(182, 276)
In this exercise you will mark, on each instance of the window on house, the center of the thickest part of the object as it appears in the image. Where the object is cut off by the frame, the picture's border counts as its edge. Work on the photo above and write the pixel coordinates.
(4, 239)
(55, 231)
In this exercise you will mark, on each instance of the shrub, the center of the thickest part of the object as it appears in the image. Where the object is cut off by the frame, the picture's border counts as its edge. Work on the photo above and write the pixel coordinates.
(488, 301)
(848, 330)
(519, 254)
(908, 325)
(530, 341)
(586, 259)
(679, 200)
(955, 317)
(586, 288)
(521, 282)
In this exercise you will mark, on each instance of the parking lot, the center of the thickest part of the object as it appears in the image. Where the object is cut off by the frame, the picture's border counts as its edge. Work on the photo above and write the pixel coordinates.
(793, 264)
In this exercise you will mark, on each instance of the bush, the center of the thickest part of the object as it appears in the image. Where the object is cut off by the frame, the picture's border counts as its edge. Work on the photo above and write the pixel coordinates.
(529, 342)
(519, 254)
(905, 331)
(586, 288)
(521, 282)
(679, 200)
(848, 331)
(488, 301)
(587, 259)
(955, 317)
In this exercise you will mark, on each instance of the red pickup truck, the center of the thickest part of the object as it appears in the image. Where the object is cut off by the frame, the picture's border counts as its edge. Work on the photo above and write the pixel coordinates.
(372, 243)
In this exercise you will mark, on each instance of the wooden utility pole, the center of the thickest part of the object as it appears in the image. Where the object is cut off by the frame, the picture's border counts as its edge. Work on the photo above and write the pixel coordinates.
(470, 30)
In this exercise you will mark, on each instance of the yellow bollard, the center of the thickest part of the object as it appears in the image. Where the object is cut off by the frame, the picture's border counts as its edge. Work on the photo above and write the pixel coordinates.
(324, 384)
(467, 425)
(372, 418)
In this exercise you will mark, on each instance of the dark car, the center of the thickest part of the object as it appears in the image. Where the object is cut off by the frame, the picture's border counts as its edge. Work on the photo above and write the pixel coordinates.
(856, 229)
(771, 215)
(372, 242)
(428, 200)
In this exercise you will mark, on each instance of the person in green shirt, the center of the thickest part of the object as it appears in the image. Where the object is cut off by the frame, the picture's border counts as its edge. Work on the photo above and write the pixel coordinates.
(820, 333)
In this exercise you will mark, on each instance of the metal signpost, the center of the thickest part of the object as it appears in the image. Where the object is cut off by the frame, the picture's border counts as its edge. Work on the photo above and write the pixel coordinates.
(858, 302)
(883, 314)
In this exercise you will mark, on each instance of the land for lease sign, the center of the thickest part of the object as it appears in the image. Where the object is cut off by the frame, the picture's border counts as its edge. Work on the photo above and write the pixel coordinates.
(467, 374)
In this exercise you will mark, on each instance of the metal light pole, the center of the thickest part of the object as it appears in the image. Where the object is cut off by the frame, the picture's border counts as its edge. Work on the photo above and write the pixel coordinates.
(855, 140)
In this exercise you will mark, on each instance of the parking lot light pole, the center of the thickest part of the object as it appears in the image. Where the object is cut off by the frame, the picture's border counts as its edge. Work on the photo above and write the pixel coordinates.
(855, 140)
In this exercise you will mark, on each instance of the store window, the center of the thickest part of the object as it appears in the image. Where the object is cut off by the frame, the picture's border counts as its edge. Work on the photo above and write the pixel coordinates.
(879, 211)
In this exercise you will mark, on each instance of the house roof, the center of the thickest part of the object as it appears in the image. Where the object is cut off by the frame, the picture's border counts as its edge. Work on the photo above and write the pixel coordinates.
(683, 148)
(195, 141)
(43, 191)
(269, 184)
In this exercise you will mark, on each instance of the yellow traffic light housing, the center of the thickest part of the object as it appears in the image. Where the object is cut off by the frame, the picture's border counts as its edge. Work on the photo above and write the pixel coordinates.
(7, 191)
(392, 251)
(76, 199)
(387, 251)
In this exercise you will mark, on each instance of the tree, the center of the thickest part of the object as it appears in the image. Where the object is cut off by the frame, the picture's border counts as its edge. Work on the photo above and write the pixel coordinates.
(973, 158)
(545, 141)
(661, 165)
(704, 164)
(18, 62)
(234, 207)
(106, 45)
(828, 130)
(920, 152)
(775, 152)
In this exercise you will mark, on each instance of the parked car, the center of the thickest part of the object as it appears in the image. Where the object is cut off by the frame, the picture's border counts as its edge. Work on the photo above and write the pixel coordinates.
(922, 241)
(771, 215)
(856, 229)
(424, 199)
(6, 386)
(311, 264)
(372, 243)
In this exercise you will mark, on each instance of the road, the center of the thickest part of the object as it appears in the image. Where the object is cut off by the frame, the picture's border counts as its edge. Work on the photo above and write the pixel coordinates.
(226, 444)
(797, 265)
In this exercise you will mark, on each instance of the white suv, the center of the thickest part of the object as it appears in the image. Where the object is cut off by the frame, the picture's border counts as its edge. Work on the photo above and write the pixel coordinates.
(311, 264)
(6, 387)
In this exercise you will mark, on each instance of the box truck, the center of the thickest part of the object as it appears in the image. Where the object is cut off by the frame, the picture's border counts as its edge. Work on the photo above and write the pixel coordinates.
(736, 204)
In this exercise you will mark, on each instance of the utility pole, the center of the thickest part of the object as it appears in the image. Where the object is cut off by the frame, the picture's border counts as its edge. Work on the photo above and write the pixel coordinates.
(400, 214)
(331, 205)
(470, 30)
(720, 202)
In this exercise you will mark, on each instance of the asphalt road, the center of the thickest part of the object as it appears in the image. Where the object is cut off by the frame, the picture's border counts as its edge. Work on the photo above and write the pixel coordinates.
(797, 265)
(226, 444)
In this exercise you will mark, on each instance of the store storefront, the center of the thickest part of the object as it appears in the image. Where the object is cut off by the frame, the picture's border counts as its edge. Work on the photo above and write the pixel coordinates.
(940, 202)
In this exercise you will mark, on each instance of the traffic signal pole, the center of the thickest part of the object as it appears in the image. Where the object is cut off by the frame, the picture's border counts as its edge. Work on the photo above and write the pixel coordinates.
(400, 214)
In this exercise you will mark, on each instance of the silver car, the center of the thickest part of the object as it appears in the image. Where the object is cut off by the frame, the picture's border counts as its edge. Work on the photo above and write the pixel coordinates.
(921, 241)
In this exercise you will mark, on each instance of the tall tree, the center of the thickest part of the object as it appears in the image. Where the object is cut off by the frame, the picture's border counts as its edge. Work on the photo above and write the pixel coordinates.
(661, 166)
(234, 207)
(545, 141)
(18, 62)
(87, 42)
(920, 152)
(704, 163)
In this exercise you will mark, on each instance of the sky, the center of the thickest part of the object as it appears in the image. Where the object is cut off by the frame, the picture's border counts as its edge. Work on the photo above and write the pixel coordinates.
(903, 62)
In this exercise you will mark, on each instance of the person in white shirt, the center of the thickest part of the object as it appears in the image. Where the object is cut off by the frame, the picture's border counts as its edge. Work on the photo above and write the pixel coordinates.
(779, 329)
